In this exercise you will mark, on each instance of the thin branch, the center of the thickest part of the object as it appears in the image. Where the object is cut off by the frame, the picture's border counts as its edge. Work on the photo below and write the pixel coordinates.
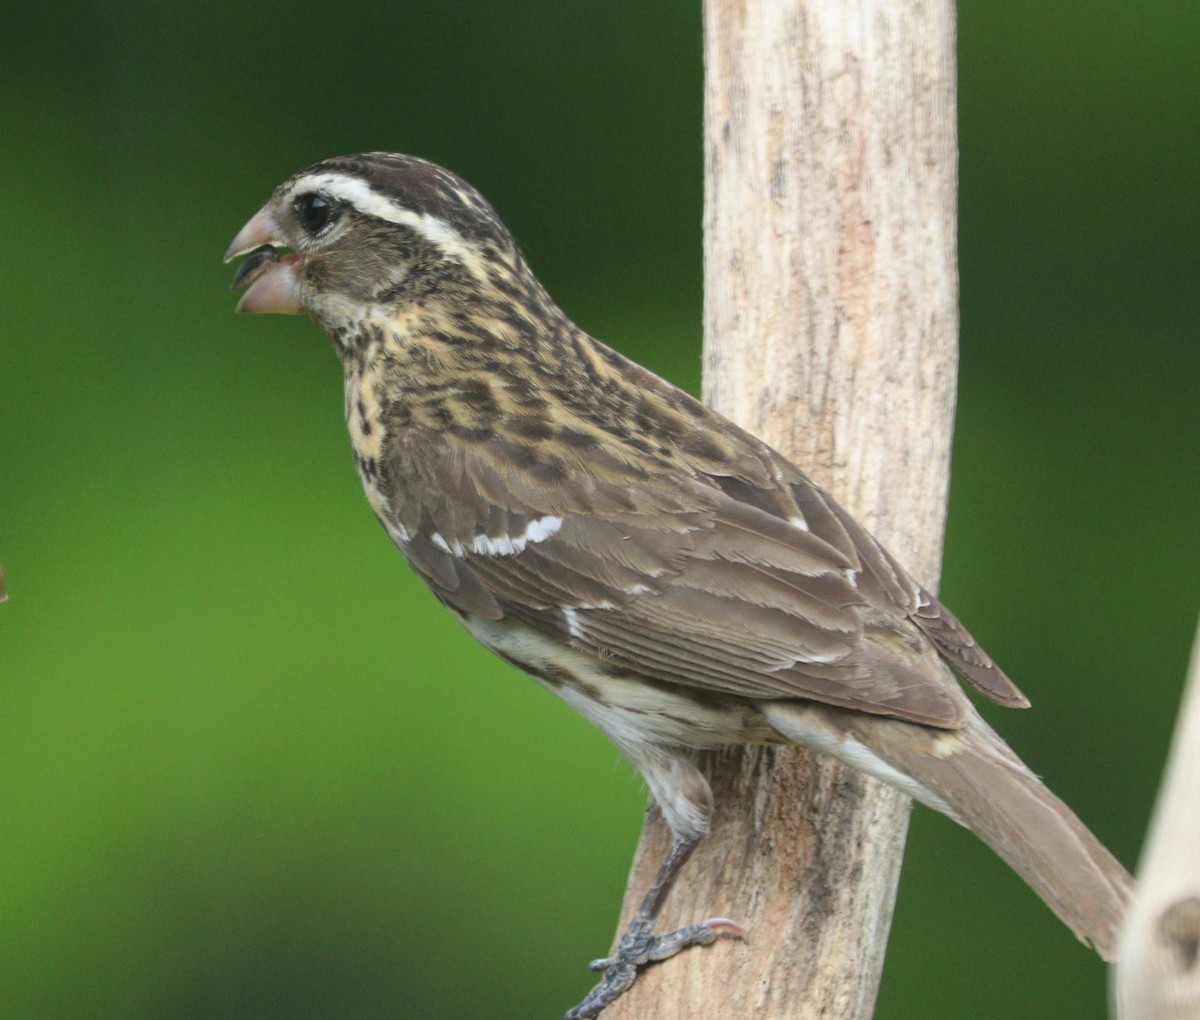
(1157, 974)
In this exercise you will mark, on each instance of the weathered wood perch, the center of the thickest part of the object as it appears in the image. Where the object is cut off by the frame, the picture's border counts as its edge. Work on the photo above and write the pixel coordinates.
(831, 327)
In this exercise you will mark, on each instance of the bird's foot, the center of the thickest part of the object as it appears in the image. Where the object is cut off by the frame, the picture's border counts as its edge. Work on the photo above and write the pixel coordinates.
(641, 946)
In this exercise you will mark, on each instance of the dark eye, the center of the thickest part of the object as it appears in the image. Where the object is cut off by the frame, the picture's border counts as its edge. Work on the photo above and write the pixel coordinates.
(315, 212)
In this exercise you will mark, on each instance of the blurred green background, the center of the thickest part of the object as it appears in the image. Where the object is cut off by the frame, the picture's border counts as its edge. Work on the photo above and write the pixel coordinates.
(248, 768)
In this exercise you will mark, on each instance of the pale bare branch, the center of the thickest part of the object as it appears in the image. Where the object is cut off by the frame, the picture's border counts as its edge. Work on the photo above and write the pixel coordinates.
(1157, 974)
(831, 331)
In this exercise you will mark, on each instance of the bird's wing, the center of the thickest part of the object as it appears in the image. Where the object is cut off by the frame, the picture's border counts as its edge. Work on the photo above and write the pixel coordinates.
(885, 584)
(751, 472)
(669, 576)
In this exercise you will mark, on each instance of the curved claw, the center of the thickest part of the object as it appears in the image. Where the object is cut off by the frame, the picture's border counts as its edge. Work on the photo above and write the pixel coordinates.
(725, 927)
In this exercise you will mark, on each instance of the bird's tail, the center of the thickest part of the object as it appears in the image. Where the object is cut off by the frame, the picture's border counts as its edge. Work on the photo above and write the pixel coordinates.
(971, 775)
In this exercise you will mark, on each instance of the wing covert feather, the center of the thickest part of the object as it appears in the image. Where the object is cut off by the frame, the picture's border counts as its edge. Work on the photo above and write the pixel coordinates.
(687, 579)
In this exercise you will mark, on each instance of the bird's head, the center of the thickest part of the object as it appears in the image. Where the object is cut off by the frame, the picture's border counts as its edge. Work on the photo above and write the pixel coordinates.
(358, 236)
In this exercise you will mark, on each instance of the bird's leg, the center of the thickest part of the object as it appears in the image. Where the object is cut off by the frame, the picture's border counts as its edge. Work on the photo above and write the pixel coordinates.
(640, 946)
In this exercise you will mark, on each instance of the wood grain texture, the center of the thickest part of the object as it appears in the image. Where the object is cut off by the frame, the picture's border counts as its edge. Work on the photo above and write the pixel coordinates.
(831, 331)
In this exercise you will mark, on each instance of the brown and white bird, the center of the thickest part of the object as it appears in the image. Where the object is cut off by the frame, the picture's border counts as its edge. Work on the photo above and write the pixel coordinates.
(673, 578)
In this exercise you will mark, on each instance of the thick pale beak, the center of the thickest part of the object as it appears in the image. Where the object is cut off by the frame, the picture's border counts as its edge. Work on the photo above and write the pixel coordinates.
(271, 281)
(262, 229)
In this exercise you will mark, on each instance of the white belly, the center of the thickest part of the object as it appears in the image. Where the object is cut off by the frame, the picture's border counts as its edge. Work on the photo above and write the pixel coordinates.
(624, 706)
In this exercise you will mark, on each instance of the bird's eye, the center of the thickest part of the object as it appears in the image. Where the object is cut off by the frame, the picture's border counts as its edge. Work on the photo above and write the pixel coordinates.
(315, 212)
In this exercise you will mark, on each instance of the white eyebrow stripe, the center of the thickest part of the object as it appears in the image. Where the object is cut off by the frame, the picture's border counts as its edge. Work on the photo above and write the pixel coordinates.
(357, 193)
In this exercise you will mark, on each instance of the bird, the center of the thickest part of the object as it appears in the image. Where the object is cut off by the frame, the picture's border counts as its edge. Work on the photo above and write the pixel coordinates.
(673, 578)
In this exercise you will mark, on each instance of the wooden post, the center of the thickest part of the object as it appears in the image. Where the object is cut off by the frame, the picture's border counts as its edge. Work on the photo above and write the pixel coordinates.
(831, 331)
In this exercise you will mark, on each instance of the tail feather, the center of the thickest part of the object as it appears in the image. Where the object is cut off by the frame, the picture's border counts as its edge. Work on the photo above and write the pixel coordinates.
(972, 776)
